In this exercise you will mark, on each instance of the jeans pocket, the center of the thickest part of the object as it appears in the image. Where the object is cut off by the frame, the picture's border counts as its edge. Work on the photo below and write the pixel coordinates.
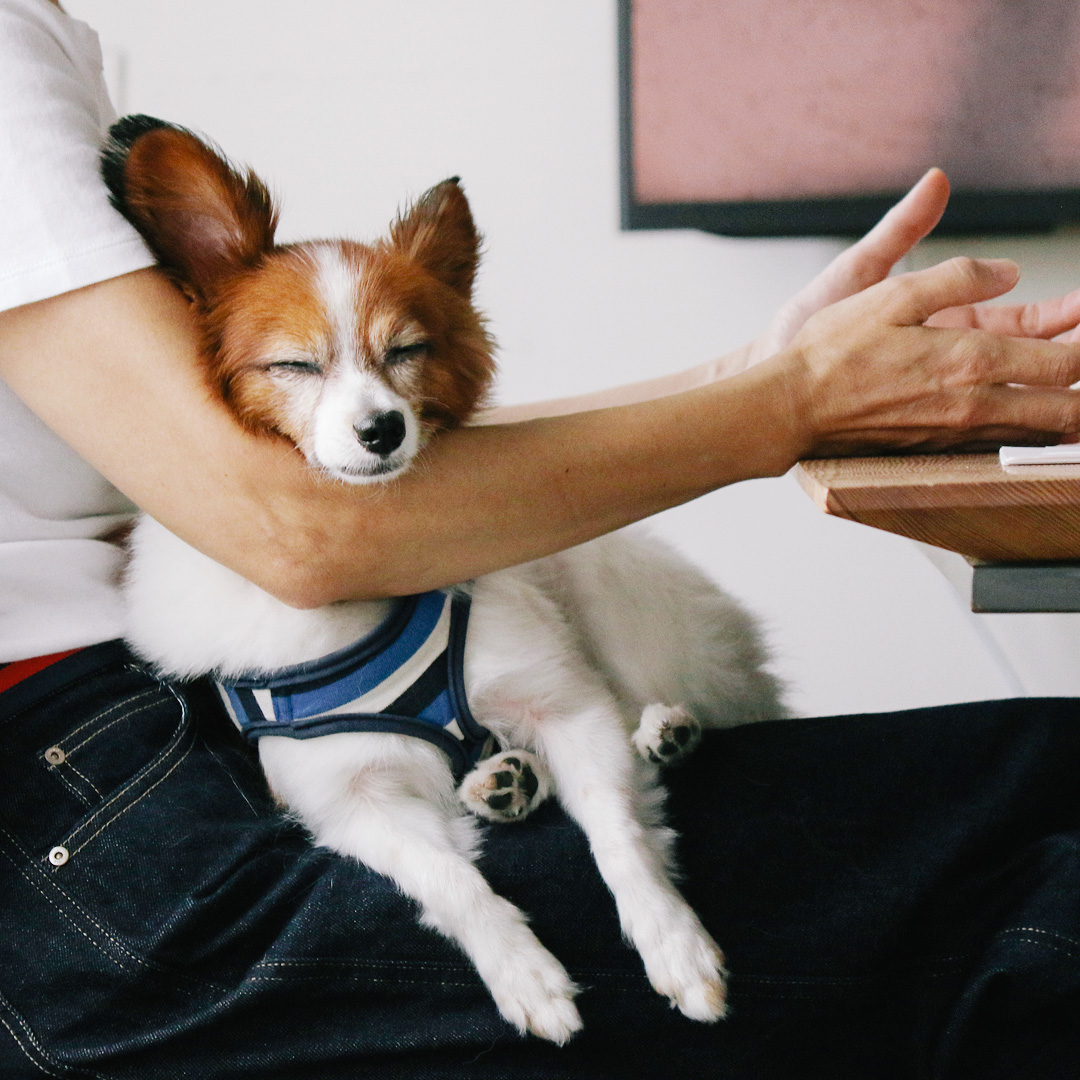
(114, 757)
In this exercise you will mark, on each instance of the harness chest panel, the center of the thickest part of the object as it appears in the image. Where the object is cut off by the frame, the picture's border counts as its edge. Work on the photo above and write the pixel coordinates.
(405, 677)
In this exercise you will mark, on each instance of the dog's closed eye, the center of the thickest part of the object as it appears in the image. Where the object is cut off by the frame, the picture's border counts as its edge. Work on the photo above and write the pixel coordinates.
(398, 354)
(303, 367)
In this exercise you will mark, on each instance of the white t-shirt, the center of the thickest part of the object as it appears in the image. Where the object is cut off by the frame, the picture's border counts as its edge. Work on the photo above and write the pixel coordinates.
(58, 578)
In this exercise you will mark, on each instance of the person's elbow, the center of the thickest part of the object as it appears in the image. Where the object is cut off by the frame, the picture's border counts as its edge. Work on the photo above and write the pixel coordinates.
(305, 570)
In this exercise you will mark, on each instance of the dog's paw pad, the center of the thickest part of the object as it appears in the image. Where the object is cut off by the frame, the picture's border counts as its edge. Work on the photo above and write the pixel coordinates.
(666, 733)
(506, 787)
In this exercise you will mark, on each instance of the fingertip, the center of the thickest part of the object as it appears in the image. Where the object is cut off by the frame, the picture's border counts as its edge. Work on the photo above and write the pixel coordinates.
(938, 175)
(934, 177)
(922, 207)
(1003, 269)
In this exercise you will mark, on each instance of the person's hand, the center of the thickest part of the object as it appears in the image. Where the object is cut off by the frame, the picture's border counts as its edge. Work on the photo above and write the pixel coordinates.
(911, 363)
(872, 259)
(865, 263)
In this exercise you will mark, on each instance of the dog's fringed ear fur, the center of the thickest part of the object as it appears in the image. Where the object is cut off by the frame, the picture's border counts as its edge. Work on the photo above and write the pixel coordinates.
(204, 220)
(438, 232)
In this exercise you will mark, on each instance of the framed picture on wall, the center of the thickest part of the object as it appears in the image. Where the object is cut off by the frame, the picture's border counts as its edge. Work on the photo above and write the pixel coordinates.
(797, 118)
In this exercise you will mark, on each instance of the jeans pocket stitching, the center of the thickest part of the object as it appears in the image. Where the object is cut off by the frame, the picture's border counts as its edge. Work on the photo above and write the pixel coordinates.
(151, 768)
(105, 727)
(35, 1042)
(126, 703)
(84, 778)
(59, 772)
(186, 984)
(66, 915)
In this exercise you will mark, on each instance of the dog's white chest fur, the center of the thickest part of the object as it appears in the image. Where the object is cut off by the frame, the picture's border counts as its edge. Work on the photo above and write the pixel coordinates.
(190, 615)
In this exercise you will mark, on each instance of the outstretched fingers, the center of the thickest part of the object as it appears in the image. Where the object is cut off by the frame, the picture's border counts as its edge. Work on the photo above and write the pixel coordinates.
(873, 374)
(980, 357)
(865, 263)
(1044, 319)
(1032, 412)
(911, 299)
(870, 259)
(987, 417)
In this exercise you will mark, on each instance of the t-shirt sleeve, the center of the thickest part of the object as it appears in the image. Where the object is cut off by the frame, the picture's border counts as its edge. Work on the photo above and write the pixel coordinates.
(57, 229)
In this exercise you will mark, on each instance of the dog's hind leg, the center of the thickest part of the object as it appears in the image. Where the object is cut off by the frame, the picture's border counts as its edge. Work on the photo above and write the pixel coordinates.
(661, 631)
(666, 734)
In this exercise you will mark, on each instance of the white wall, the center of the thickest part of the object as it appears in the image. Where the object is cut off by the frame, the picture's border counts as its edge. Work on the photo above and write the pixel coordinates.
(348, 106)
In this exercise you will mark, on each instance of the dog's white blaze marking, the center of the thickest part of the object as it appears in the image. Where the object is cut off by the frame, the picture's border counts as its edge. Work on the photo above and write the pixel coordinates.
(339, 288)
(351, 391)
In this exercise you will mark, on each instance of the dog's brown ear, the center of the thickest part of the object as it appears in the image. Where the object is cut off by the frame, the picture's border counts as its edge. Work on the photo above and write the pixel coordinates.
(438, 232)
(203, 219)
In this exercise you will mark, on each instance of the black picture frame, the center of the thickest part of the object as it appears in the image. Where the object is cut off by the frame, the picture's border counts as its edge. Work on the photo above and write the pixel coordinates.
(970, 213)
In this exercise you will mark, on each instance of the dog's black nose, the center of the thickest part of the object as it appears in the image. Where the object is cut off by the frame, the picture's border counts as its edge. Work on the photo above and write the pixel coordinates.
(381, 433)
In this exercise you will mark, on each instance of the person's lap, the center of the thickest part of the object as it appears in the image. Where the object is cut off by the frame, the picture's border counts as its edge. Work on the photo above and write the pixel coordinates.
(897, 895)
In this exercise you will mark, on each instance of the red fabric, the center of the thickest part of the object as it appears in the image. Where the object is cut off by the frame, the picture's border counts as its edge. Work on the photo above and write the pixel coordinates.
(23, 669)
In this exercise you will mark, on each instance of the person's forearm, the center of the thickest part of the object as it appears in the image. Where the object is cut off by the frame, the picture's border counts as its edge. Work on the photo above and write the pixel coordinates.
(527, 489)
(112, 368)
(631, 394)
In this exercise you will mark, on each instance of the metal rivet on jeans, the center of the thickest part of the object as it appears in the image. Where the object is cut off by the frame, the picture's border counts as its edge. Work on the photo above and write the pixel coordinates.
(55, 756)
(59, 855)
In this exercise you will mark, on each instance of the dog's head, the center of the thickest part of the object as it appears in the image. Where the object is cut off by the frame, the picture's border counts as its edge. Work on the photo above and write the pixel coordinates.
(355, 352)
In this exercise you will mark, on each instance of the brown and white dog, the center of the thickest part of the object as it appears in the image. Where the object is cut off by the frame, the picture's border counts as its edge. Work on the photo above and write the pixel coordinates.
(588, 667)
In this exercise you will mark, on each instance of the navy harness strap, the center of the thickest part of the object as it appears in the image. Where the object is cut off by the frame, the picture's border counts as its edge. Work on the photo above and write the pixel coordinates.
(427, 688)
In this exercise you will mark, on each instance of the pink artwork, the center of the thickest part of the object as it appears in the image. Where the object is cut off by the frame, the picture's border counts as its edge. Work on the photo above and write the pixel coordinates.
(737, 100)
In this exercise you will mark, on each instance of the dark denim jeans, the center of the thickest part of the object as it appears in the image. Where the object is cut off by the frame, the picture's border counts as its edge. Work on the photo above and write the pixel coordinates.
(898, 896)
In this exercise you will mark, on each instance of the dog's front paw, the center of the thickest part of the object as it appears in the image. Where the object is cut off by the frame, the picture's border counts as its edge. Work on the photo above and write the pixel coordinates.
(666, 734)
(506, 787)
(687, 967)
(536, 995)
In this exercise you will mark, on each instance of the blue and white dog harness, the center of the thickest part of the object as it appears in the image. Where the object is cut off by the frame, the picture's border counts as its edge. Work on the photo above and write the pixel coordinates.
(404, 677)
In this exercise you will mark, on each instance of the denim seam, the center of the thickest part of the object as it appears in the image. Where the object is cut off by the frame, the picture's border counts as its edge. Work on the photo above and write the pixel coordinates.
(119, 945)
(1042, 944)
(809, 980)
(56, 771)
(384, 970)
(49, 900)
(85, 779)
(161, 779)
(35, 1042)
(329, 962)
(30, 1057)
(105, 727)
(148, 769)
(1036, 930)
(126, 703)
(387, 978)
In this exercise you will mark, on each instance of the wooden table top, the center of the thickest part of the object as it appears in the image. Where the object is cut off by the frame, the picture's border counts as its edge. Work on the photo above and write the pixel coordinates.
(962, 502)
